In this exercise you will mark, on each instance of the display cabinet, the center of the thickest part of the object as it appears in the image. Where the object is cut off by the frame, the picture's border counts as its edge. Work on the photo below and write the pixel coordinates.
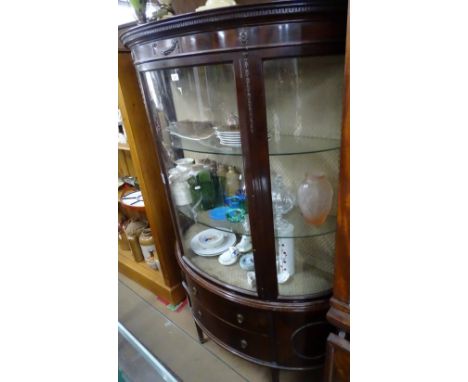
(245, 105)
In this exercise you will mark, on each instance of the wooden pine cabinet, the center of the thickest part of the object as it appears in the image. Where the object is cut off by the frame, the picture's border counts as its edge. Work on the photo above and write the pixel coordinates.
(253, 95)
(166, 283)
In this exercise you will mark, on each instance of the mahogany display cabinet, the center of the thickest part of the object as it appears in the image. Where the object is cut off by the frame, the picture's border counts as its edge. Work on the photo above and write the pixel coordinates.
(246, 107)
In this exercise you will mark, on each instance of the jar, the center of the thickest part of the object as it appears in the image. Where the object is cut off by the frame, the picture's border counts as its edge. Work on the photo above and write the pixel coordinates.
(133, 230)
(180, 188)
(232, 182)
(147, 247)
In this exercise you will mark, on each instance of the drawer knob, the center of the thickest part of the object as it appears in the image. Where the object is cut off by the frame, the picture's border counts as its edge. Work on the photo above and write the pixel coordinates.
(194, 290)
(243, 344)
(199, 313)
(240, 318)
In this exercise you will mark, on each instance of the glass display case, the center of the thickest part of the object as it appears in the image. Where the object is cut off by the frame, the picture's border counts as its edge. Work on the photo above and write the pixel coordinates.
(246, 108)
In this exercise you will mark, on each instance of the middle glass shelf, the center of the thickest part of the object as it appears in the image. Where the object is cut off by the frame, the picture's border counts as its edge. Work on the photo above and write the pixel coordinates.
(301, 228)
(281, 145)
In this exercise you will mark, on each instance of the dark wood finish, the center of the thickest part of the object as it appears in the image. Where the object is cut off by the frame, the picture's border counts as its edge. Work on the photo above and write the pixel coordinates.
(297, 331)
(254, 138)
(337, 365)
(287, 332)
(246, 342)
(148, 173)
(238, 315)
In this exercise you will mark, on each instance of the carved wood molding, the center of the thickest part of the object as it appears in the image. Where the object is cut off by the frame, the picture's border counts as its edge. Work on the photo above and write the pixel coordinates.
(216, 17)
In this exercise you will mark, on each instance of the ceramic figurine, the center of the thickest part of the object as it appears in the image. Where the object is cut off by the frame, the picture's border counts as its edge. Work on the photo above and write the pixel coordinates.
(314, 198)
(229, 257)
(245, 244)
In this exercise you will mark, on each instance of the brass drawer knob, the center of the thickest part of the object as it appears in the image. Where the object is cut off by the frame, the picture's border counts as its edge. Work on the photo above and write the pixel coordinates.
(194, 290)
(243, 344)
(240, 318)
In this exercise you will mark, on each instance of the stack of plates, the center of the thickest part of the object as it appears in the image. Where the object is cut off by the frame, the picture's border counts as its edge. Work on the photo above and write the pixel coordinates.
(206, 243)
(229, 137)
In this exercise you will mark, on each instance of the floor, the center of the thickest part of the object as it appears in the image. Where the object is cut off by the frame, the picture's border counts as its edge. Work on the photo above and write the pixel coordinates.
(171, 337)
(133, 364)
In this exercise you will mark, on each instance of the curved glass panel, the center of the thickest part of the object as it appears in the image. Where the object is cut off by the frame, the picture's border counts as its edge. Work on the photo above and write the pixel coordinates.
(196, 113)
(304, 106)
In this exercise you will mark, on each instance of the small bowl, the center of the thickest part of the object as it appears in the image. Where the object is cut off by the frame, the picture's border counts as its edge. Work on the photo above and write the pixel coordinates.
(211, 238)
(247, 262)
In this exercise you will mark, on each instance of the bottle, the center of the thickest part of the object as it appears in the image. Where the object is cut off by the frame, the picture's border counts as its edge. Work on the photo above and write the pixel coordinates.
(208, 191)
(195, 187)
(221, 174)
(232, 182)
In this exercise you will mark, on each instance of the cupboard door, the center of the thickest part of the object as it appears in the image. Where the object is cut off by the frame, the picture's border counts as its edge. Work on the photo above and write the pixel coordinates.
(196, 116)
(337, 363)
(303, 98)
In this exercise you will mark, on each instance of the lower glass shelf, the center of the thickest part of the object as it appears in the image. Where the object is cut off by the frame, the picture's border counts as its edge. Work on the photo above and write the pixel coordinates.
(313, 263)
(301, 227)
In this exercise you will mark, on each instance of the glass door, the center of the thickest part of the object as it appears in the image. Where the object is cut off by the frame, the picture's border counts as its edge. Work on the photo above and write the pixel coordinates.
(198, 130)
(304, 105)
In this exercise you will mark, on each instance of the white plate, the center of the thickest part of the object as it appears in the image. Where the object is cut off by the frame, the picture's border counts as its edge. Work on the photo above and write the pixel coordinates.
(230, 144)
(229, 241)
(225, 141)
(228, 134)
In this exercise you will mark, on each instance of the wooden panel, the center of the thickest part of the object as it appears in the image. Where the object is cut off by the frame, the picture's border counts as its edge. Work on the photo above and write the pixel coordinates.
(125, 163)
(339, 315)
(337, 367)
(149, 278)
(301, 338)
(146, 166)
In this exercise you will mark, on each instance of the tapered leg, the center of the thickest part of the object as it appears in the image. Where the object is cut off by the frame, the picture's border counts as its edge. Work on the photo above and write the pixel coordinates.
(275, 375)
(201, 337)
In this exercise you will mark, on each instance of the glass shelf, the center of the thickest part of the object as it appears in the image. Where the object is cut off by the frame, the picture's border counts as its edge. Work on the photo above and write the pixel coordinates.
(301, 228)
(284, 145)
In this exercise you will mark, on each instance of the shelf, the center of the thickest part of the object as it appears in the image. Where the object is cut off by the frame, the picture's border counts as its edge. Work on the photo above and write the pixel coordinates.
(124, 146)
(285, 145)
(301, 228)
(311, 269)
(149, 278)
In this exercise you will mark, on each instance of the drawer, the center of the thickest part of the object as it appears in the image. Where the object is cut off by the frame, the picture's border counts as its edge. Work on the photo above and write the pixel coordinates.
(255, 320)
(254, 345)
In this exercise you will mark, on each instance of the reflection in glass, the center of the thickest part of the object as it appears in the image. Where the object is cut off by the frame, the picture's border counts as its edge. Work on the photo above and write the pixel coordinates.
(198, 128)
(303, 101)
